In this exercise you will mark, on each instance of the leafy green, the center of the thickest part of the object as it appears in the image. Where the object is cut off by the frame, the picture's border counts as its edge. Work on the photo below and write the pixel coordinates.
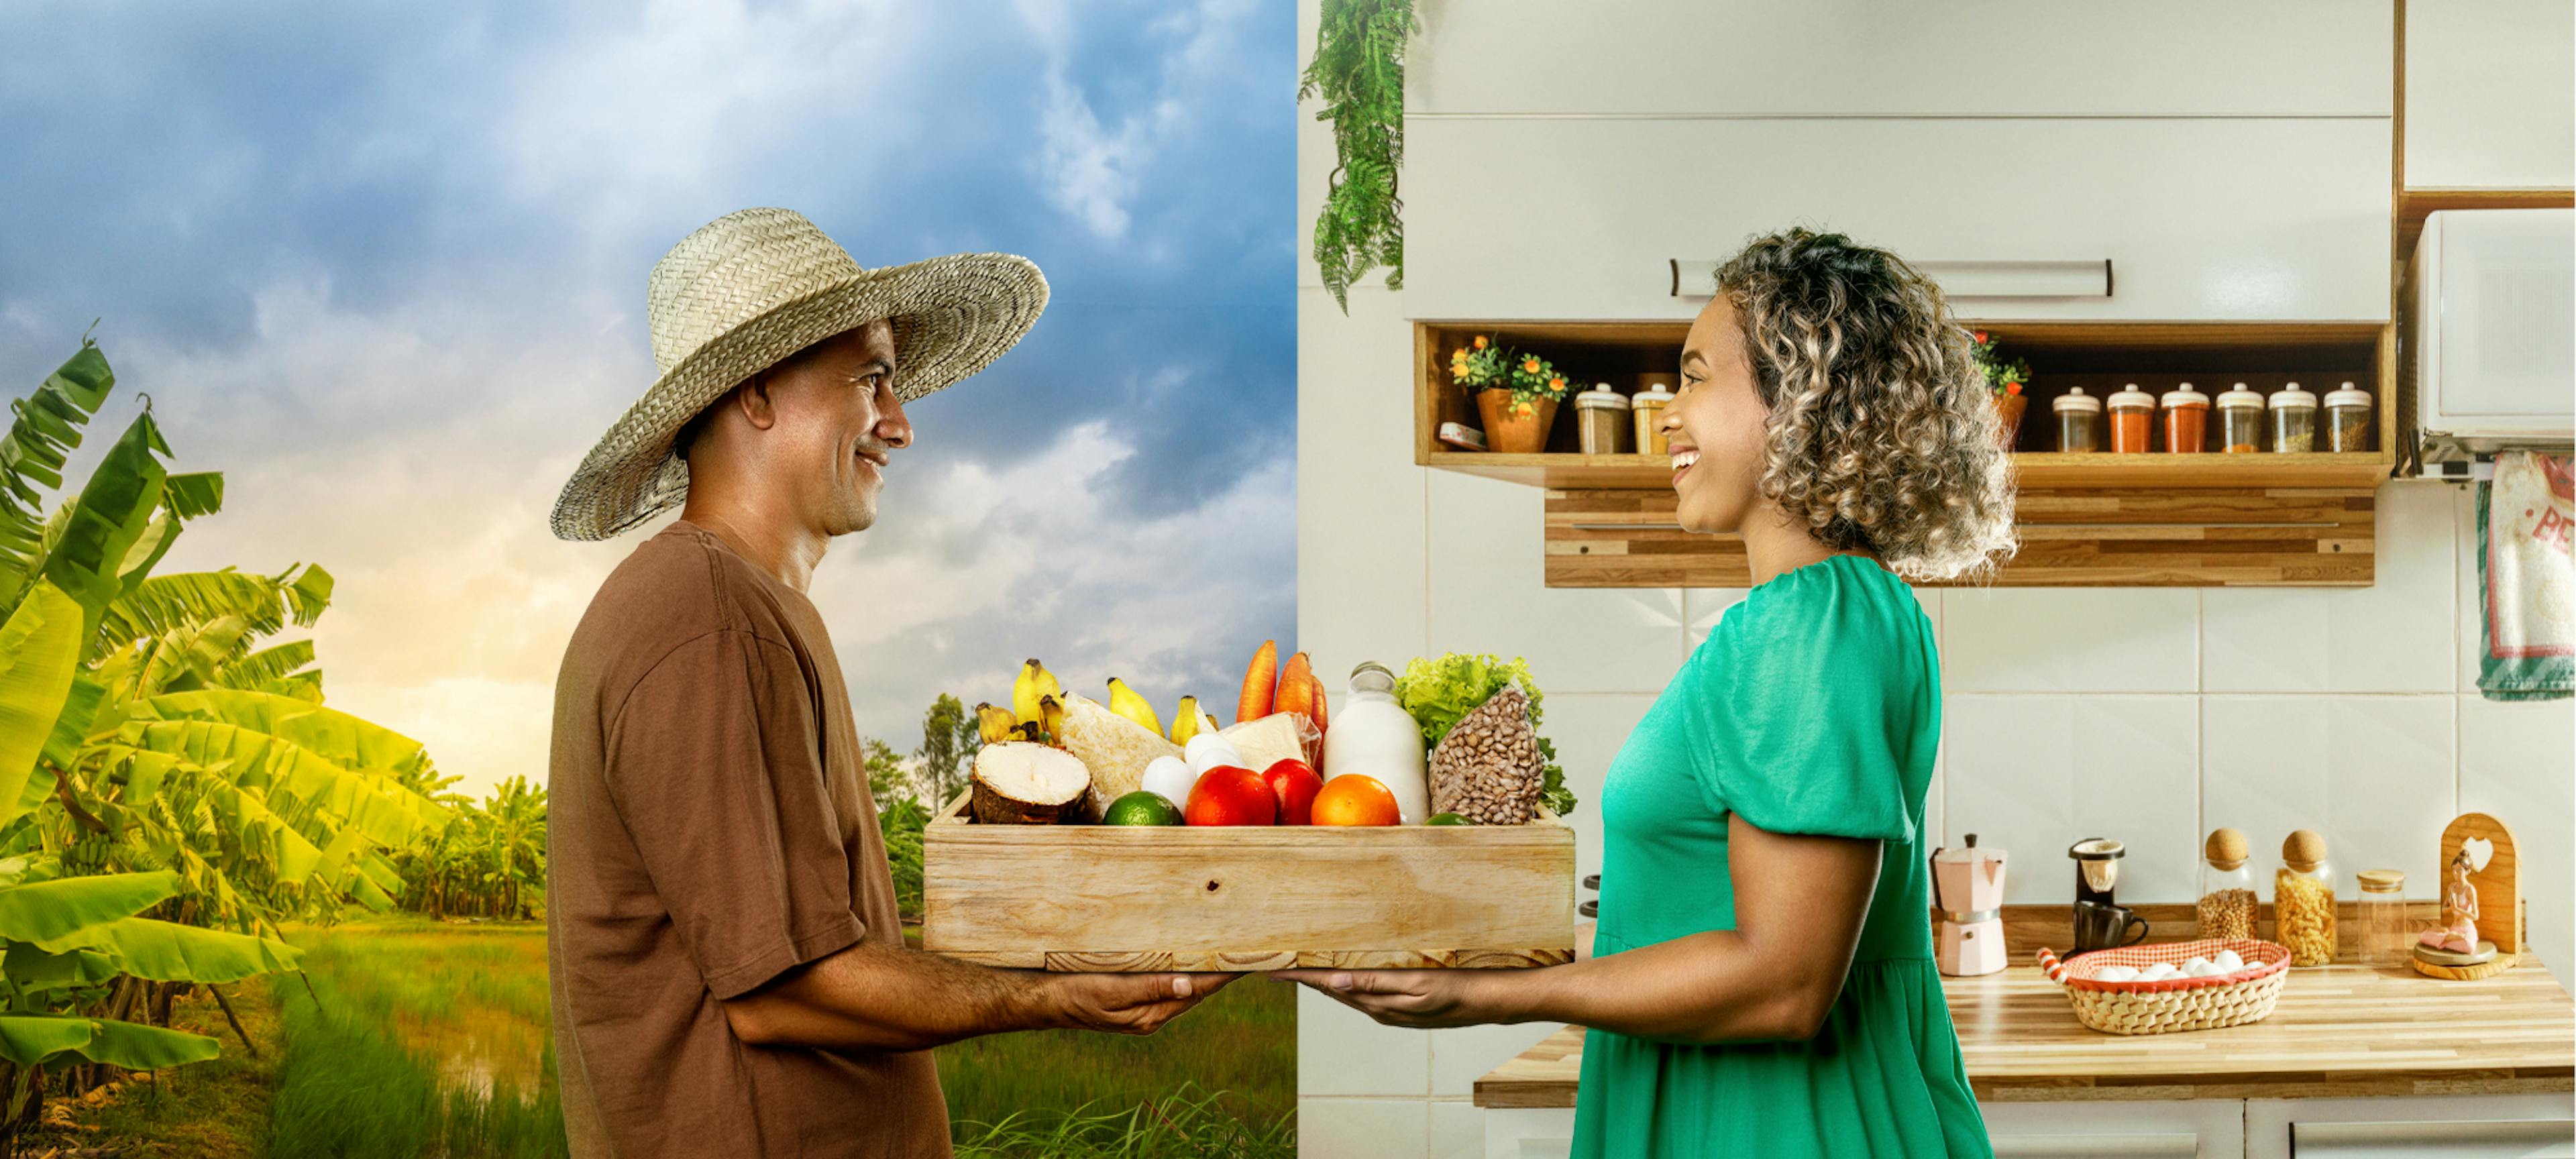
(1358, 70)
(1439, 693)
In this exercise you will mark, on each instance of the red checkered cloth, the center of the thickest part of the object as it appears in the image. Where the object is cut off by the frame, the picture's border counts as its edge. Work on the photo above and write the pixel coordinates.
(2262, 960)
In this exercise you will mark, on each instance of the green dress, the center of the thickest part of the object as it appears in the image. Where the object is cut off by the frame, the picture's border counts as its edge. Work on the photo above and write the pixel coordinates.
(1814, 707)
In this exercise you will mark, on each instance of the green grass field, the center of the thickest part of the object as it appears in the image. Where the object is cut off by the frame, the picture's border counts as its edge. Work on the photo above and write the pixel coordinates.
(426, 1038)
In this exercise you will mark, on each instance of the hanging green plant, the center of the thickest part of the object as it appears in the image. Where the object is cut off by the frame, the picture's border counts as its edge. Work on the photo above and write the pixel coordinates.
(1358, 70)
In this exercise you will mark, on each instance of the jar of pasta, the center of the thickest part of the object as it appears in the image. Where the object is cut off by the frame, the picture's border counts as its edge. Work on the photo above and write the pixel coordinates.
(2240, 421)
(2294, 420)
(2227, 899)
(2303, 900)
(2133, 415)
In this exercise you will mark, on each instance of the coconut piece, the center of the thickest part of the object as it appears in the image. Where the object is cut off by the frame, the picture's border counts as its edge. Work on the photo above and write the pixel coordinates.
(1114, 748)
(1488, 768)
(1018, 783)
(1271, 739)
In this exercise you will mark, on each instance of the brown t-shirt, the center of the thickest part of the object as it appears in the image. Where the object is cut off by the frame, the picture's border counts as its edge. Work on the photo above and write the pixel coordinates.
(709, 829)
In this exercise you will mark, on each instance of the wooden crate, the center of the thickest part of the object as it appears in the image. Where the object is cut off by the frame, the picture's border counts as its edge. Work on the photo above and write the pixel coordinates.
(1108, 898)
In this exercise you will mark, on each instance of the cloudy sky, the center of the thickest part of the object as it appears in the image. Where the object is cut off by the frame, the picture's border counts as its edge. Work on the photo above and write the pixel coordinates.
(384, 267)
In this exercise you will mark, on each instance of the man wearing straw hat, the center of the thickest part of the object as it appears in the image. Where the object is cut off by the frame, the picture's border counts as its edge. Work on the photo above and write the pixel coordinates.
(728, 966)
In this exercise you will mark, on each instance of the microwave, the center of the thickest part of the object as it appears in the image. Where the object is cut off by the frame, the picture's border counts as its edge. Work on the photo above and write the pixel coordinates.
(2489, 307)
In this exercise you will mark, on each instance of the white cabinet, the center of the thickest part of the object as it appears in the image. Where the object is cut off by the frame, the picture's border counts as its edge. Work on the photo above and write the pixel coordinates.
(2205, 1129)
(1529, 1132)
(2463, 1127)
(1858, 57)
(2258, 219)
(2490, 94)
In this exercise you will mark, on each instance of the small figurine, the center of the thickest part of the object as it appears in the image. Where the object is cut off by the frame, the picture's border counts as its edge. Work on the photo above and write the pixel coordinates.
(2458, 932)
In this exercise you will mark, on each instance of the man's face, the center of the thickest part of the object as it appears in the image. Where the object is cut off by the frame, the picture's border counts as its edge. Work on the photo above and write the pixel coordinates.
(838, 424)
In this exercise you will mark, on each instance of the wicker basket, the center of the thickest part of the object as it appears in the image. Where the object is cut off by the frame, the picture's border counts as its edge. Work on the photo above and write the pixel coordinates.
(2205, 1003)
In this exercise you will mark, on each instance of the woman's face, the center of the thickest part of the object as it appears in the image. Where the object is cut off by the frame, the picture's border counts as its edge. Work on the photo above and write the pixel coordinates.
(1715, 424)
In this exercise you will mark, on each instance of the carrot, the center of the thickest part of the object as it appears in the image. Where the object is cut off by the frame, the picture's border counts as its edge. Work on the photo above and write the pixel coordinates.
(1320, 711)
(1296, 688)
(1260, 683)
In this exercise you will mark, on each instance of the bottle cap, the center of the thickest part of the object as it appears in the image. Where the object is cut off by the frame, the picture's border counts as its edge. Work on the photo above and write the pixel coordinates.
(2076, 400)
(2304, 851)
(2240, 398)
(2132, 398)
(2292, 395)
(2381, 880)
(2184, 395)
(2347, 396)
(1602, 396)
(2226, 848)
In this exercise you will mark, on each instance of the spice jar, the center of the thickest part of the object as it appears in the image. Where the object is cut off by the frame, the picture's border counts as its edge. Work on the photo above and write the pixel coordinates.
(2186, 420)
(2294, 420)
(1653, 391)
(2385, 938)
(2348, 419)
(2303, 905)
(2240, 421)
(2079, 420)
(1602, 420)
(2133, 414)
(2227, 897)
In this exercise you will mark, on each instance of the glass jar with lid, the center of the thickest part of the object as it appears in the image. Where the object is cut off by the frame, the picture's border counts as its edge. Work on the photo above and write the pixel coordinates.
(2079, 421)
(2240, 421)
(2303, 900)
(2133, 415)
(1601, 416)
(2227, 898)
(2347, 419)
(2294, 420)
(2186, 419)
(1653, 392)
(2386, 938)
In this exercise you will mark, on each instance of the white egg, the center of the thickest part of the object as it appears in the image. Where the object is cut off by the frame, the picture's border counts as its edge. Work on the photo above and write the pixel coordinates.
(2228, 961)
(2194, 964)
(2158, 972)
(2116, 974)
(1207, 750)
(1170, 776)
(2204, 970)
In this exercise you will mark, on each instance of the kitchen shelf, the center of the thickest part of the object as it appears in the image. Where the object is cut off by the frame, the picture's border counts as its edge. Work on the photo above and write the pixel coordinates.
(2158, 519)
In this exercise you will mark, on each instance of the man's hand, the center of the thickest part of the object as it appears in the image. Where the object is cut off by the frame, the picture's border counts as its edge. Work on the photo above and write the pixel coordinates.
(1128, 1003)
(1423, 999)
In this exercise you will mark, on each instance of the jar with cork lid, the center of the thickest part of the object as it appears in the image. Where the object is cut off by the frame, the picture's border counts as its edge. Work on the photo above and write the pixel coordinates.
(2387, 938)
(2303, 900)
(2227, 898)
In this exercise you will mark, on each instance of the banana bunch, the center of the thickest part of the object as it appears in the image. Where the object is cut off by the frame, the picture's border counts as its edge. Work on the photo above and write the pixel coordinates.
(1036, 713)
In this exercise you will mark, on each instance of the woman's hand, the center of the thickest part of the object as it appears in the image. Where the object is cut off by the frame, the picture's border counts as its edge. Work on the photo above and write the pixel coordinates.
(1422, 999)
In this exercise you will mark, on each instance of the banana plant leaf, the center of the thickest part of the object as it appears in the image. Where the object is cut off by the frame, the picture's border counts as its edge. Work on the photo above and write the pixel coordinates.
(33, 969)
(190, 494)
(114, 509)
(163, 603)
(53, 915)
(385, 812)
(39, 652)
(28, 1039)
(48, 426)
(287, 661)
(170, 952)
(345, 740)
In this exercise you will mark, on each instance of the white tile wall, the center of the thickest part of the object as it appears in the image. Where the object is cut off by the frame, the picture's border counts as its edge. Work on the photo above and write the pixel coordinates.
(1343, 1052)
(2070, 640)
(2374, 774)
(2514, 762)
(2393, 636)
(1330, 1128)
(2034, 774)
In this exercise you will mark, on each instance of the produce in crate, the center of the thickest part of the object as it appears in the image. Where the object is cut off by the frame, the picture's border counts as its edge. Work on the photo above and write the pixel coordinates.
(1277, 737)
(1226, 795)
(1141, 808)
(1296, 688)
(1488, 768)
(995, 723)
(1208, 750)
(1018, 783)
(1440, 693)
(1034, 682)
(1189, 720)
(1170, 778)
(1114, 748)
(1295, 785)
(1260, 683)
(1353, 799)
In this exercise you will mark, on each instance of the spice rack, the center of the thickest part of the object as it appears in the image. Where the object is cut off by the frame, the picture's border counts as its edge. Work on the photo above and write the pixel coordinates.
(2087, 519)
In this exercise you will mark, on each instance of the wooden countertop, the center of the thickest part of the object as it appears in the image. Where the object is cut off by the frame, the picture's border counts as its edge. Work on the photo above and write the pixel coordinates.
(2338, 1031)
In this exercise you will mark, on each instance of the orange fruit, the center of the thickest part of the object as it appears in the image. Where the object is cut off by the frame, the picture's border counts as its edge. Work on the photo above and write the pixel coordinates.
(1354, 799)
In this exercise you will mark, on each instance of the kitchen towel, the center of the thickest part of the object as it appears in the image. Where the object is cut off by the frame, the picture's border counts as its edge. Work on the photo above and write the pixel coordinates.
(2526, 584)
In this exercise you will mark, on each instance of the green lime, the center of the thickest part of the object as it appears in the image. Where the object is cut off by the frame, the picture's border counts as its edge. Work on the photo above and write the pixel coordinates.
(1447, 819)
(1142, 807)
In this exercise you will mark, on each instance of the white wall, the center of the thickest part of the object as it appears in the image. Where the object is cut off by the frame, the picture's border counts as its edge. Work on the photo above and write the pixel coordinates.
(2150, 715)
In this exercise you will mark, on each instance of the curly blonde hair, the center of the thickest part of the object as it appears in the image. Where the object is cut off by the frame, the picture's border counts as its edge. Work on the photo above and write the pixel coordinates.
(1880, 435)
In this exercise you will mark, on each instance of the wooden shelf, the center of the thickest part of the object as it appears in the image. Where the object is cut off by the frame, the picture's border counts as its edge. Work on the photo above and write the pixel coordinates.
(2205, 519)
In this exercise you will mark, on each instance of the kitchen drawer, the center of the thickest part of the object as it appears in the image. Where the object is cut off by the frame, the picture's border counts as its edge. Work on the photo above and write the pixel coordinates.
(2181, 1129)
(1856, 57)
(2537, 1126)
(2281, 220)
(2487, 84)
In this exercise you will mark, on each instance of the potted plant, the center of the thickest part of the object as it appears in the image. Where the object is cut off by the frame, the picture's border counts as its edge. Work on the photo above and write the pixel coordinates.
(1516, 392)
(2004, 381)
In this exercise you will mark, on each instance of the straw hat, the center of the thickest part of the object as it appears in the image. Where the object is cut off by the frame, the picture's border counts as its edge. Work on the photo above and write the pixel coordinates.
(747, 290)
